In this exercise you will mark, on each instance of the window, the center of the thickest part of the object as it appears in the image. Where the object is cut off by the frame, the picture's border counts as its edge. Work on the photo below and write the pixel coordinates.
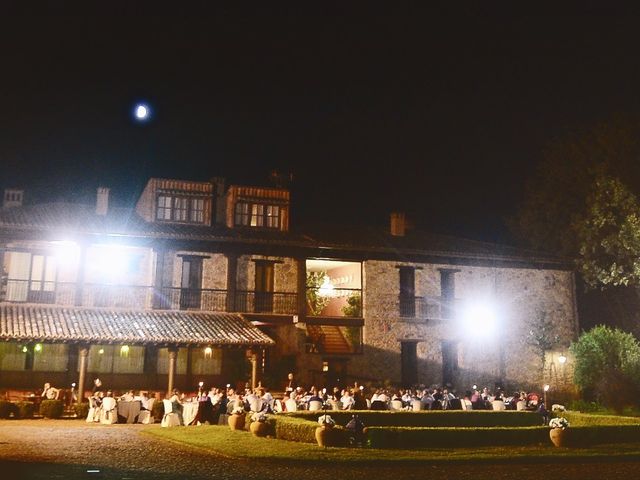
(242, 213)
(257, 215)
(197, 210)
(407, 291)
(180, 209)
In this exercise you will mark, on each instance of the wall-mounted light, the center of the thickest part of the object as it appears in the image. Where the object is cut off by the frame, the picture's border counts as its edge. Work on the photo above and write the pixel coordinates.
(124, 351)
(37, 347)
(101, 351)
(25, 349)
(208, 351)
(562, 359)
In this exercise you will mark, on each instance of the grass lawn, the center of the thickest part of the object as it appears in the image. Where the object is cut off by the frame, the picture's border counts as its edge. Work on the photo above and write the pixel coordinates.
(240, 444)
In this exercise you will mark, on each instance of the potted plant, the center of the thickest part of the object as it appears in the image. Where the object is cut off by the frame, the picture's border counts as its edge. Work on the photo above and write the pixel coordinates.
(259, 426)
(324, 432)
(237, 418)
(558, 432)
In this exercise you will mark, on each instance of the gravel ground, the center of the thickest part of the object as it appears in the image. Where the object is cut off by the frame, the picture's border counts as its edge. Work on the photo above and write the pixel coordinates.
(72, 449)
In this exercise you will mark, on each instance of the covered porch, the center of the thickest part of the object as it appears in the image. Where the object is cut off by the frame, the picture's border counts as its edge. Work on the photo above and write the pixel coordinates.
(126, 349)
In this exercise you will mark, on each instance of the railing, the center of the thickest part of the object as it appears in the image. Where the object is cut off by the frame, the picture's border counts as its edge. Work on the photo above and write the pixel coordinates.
(336, 302)
(434, 308)
(173, 298)
(266, 302)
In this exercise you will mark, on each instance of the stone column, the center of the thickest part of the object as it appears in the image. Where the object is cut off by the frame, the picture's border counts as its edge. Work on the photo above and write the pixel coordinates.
(83, 353)
(173, 357)
(254, 357)
(232, 272)
(159, 298)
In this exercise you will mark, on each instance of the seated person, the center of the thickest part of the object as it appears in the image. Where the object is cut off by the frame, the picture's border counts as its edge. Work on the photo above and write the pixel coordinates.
(347, 400)
(49, 392)
(127, 396)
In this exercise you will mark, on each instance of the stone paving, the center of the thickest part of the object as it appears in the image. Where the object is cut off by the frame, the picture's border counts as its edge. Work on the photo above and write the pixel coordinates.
(72, 449)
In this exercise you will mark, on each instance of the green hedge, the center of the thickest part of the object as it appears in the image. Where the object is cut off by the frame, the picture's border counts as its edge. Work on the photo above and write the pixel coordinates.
(288, 427)
(436, 418)
(26, 409)
(414, 438)
(8, 409)
(582, 436)
(577, 419)
(51, 408)
(81, 409)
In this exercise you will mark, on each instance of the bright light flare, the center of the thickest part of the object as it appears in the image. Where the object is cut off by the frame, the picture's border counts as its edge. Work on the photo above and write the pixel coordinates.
(112, 260)
(66, 252)
(479, 320)
(142, 112)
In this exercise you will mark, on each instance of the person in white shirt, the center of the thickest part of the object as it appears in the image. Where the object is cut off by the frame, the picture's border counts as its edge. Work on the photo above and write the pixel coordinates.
(347, 400)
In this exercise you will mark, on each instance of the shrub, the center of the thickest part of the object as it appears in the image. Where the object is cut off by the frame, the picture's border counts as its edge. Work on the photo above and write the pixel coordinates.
(304, 430)
(51, 408)
(26, 409)
(7, 409)
(607, 366)
(81, 409)
(585, 420)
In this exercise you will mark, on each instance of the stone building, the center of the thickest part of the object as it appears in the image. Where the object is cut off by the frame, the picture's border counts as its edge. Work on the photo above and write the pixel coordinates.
(206, 282)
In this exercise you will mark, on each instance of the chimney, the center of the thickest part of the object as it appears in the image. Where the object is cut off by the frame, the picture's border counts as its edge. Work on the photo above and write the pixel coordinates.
(102, 201)
(398, 224)
(219, 194)
(12, 198)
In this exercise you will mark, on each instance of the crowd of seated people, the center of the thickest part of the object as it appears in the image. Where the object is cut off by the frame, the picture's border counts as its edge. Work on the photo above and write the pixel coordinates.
(216, 403)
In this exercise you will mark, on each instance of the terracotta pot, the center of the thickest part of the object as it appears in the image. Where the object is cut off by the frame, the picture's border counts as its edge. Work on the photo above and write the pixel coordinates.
(236, 421)
(558, 437)
(259, 429)
(324, 435)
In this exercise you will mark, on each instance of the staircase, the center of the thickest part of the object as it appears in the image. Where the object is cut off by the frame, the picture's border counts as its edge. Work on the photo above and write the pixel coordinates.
(328, 339)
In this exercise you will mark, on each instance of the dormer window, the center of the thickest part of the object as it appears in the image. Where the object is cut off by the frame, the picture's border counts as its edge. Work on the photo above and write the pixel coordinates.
(257, 215)
(174, 208)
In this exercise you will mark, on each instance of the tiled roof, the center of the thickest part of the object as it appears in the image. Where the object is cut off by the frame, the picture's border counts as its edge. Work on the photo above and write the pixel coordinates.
(54, 323)
(70, 217)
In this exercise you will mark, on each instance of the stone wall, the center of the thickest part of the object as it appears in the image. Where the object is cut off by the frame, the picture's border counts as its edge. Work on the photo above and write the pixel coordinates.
(517, 295)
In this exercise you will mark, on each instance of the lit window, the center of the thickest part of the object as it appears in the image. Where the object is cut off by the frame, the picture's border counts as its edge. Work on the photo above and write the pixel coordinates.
(197, 210)
(180, 209)
(257, 215)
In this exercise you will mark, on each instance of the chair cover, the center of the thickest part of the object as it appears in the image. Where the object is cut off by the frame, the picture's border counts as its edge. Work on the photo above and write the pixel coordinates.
(170, 419)
(109, 413)
(315, 405)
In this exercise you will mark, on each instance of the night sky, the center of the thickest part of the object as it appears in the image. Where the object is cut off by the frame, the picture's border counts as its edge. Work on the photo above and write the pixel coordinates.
(440, 114)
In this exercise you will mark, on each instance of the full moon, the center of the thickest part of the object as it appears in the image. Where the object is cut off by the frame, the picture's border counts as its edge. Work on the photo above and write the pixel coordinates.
(142, 112)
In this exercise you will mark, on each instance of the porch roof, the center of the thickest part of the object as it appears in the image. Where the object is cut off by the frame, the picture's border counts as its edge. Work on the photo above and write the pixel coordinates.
(26, 322)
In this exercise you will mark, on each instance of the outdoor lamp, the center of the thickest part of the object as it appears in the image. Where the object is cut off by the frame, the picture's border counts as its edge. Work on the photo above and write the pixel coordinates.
(562, 359)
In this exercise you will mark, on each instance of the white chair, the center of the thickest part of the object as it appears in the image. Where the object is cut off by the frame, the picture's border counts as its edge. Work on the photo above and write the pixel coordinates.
(170, 418)
(291, 405)
(368, 404)
(277, 406)
(396, 405)
(94, 411)
(315, 405)
(466, 404)
(521, 406)
(498, 405)
(145, 416)
(416, 405)
(109, 414)
(256, 404)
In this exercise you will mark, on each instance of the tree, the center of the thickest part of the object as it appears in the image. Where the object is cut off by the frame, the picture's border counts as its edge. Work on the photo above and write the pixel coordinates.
(555, 195)
(607, 366)
(542, 336)
(609, 236)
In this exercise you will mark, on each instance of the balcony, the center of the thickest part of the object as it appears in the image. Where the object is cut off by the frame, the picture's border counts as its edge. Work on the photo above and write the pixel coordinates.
(279, 303)
(422, 308)
(146, 297)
